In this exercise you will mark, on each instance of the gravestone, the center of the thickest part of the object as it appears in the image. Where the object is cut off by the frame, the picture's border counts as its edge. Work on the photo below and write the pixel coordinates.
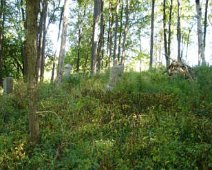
(115, 74)
(8, 85)
(67, 71)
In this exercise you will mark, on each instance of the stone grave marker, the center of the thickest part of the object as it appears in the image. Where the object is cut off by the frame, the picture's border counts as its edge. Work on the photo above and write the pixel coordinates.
(115, 74)
(8, 85)
(67, 71)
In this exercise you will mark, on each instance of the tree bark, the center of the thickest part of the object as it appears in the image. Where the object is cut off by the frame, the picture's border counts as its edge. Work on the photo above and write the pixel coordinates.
(63, 42)
(95, 37)
(178, 32)
(169, 31)
(101, 39)
(42, 67)
(110, 36)
(165, 34)
(2, 20)
(120, 31)
(32, 8)
(152, 34)
(205, 24)
(116, 32)
(54, 57)
(126, 28)
(201, 55)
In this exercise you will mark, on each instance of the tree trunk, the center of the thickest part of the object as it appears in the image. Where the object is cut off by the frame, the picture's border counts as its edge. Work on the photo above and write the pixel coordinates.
(110, 36)
(32, 8)
(101, 39)
(201, 55)
(42, 65)
(205, 24)
(23, 46)
(2, 20)
(78, 49)
(165, 34)
(169, 34)
(95, 37)
(126, 28)
(115, 33)
(178, 32)
(120, 30)
(54, 57)
(80, 31)
(152, 34)
(63, 42)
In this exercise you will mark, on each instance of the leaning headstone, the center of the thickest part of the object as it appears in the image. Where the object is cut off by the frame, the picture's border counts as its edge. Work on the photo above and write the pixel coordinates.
(8, 85)
(115, 74)
(67, 71)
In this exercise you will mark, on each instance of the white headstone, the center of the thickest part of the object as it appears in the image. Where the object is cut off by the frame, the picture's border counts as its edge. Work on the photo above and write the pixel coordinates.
(115, 74)
(8, 85)
(67, 71)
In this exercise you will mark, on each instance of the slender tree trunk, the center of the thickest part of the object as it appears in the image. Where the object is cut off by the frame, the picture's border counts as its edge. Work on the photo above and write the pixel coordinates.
(55, 53)
(101, 39)
(169, 33)
(126, 28)
(45, 7)
(111, 35)
(178, 32)
(39, 43)
(23, 47)
(205, 24)
(79, 41)
(152, 34)
(2, 20)
(109, 29)
(165, 34)
(201, 56)
(63, 42)
(116, 32)
(95, 37)
(120, 32)
(32, 8)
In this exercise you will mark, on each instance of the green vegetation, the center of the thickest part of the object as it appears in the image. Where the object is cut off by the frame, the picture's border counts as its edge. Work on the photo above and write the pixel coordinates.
(149, 121)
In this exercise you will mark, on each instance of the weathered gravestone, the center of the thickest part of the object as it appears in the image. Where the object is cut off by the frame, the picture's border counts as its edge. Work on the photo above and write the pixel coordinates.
(115, 74)
(67, 71)
(8, 85)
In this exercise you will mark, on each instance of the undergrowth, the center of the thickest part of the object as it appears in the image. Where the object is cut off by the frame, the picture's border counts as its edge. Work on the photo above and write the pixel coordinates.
(148, 121)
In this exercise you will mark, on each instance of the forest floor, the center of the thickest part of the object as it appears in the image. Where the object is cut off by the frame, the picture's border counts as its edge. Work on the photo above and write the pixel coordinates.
(148, 121)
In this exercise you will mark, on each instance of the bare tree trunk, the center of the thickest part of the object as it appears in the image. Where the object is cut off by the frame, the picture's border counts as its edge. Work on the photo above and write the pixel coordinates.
(116, 32)
(178, 32)
(2, 20)
(201, 55)
(165, 34)
(111, 35)
(169, 33)
(45, 6)
(23, 47)
(63, 43)
(120, 30)
(79, 40)
(126, 28)
(205, 24)
(54, 57)
(152, 34)
(109, 29)
(95, 37)
(32, 8)
(101, 39)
